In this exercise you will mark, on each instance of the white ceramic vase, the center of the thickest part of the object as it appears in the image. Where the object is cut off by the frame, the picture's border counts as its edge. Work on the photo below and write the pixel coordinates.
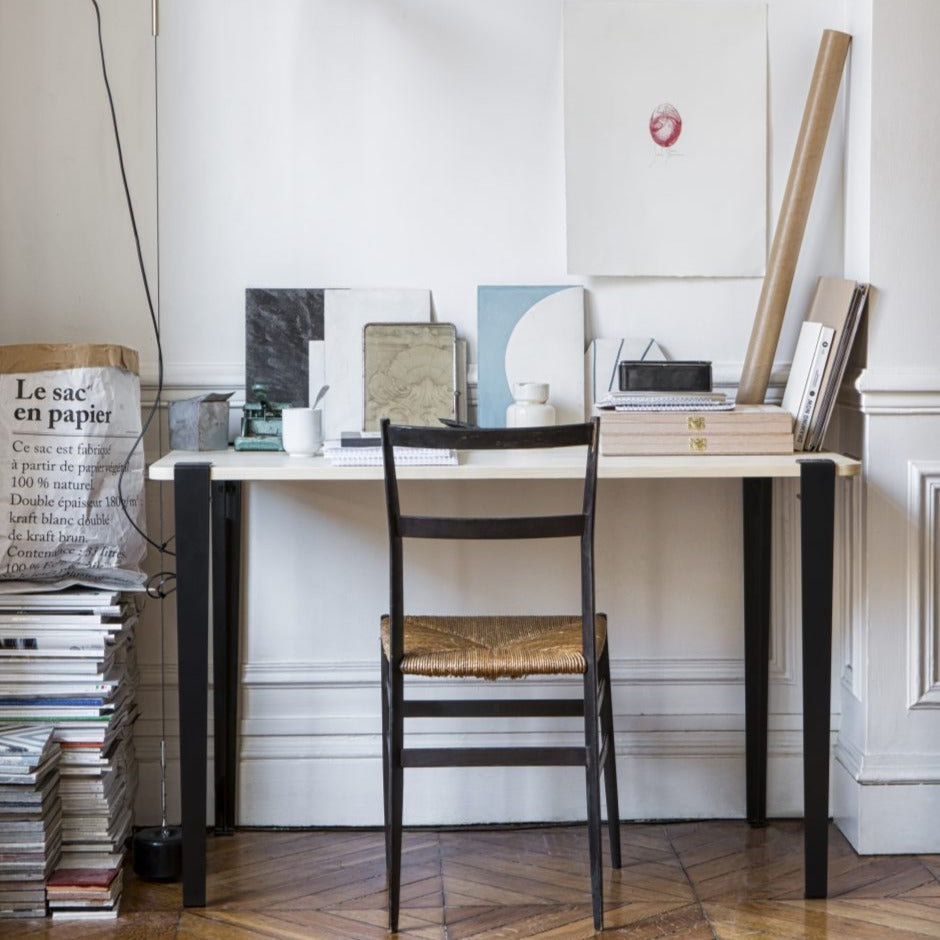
(530, 408)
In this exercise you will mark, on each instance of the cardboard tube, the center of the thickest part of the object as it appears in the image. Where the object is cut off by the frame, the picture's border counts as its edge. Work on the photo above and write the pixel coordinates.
(791, 224)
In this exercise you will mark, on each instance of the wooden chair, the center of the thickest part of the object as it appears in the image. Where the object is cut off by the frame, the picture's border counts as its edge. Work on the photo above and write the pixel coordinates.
(495, 647)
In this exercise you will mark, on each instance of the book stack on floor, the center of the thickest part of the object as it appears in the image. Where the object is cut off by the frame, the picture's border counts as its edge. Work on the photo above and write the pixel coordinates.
(80, 893)
(687, 429)
(821, 356)
(30, 817)
(67, 658)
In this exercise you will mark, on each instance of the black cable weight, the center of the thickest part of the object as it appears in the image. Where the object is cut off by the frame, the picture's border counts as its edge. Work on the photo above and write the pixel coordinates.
(158, 853)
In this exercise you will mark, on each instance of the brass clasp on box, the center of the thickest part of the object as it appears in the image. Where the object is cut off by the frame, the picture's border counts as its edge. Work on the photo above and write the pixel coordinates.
(261, 423)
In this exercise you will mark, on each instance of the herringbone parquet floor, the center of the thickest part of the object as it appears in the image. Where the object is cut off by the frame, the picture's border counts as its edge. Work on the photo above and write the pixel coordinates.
(686, 880)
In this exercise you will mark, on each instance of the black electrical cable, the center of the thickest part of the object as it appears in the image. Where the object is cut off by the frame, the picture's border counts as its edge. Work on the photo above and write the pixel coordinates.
(161, 579)
(157, 851)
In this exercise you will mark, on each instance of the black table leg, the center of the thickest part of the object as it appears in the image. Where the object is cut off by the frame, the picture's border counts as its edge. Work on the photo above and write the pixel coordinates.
(191, 493)
(226, 570)
(817, 509)
(758, 505)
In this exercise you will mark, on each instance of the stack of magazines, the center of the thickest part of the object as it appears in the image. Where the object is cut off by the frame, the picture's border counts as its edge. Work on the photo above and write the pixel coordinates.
(30, 817)
(67, 659)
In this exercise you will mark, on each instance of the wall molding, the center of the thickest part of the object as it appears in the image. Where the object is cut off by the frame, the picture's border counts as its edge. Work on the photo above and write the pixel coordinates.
(873, 391)
(923, 623)
(678, 736)
(894, 391)
(848, 601)
(349, 675)
(886, 770)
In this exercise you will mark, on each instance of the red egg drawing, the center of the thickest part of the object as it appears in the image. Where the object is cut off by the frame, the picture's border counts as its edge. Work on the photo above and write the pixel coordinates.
(665, 125)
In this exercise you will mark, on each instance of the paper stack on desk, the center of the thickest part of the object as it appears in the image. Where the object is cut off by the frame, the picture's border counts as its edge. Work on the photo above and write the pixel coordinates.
(744, 429)
(364, 456)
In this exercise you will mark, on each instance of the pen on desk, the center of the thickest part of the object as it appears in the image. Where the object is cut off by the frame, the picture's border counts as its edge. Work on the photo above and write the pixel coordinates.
(454, 423)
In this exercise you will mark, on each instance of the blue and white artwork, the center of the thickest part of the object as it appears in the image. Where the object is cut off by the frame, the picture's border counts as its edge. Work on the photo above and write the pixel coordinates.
(530, 334)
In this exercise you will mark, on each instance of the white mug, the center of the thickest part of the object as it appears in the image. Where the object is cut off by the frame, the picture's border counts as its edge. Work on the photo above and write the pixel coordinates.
(302, 431)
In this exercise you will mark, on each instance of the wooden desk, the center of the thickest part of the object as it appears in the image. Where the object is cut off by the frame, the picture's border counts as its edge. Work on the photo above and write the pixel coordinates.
(207, 490)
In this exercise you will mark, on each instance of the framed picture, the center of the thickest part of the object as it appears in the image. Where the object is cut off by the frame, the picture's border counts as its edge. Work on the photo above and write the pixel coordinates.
(409, 373)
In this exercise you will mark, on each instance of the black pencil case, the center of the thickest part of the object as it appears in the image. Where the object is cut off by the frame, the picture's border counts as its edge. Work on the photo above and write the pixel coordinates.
(673, 376)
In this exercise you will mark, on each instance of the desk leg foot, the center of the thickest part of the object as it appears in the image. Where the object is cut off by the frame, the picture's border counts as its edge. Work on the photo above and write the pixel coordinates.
(817, 527)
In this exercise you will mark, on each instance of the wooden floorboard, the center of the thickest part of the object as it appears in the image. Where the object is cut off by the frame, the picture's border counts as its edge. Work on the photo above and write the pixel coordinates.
(717, 880)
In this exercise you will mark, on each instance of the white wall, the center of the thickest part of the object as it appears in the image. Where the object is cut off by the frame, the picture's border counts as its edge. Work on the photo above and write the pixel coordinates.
(68, 266)
(407, 143)
(888, 759)
(419, 143)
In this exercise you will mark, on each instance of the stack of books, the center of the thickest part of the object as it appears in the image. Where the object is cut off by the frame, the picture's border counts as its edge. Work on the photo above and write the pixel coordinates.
(67, 658)
(30, 817)
(85, 893)
(667, 430)
(820, 359)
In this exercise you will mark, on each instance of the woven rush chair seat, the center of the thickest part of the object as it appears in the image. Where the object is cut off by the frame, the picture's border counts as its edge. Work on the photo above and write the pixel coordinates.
(495, 646)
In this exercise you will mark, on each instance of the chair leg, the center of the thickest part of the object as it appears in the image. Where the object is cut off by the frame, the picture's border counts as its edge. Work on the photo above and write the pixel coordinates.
(385, 762)
(393, 835)
(392, 779)
(610, 764)
(592, 780)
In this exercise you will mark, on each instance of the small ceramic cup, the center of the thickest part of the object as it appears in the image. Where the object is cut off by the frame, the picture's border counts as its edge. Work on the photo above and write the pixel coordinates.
(302, 431)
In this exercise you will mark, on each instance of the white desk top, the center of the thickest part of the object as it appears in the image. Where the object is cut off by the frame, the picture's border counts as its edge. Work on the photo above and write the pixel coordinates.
(497, 465)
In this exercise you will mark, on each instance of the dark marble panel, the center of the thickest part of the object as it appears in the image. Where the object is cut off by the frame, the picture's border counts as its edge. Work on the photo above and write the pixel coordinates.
(279, 322)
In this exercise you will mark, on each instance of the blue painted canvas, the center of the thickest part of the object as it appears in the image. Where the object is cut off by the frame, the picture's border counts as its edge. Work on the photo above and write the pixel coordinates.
(530, 334)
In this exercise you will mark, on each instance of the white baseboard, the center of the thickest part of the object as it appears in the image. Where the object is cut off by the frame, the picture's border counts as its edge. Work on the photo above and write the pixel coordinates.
(885, 818)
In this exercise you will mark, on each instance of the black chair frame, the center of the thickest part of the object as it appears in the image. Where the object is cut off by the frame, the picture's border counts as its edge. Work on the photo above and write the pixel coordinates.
(593, 705)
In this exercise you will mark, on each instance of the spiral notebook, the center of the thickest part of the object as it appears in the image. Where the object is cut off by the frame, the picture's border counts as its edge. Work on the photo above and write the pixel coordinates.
(666, 401)
(340, 456)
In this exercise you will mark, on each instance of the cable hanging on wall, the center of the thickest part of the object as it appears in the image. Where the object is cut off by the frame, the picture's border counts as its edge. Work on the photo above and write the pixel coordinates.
(161, 578)
(157, 850)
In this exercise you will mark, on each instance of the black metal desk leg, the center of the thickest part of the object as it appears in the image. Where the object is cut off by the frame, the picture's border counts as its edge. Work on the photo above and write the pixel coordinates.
(226, 569)
(191, 492)
(758, 506)
(817, 509)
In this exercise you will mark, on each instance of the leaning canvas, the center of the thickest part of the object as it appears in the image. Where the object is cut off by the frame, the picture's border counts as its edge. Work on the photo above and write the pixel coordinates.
(530, 334)
(345, 315)
(279, 324)
(602, 360)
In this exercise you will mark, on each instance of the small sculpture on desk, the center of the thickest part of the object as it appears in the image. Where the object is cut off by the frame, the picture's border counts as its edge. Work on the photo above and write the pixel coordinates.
(261, 422)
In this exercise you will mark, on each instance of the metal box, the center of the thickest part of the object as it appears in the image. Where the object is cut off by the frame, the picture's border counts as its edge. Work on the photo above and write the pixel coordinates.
(200, 423)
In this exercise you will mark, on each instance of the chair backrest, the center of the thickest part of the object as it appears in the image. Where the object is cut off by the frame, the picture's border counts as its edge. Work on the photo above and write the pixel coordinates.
(519, 526)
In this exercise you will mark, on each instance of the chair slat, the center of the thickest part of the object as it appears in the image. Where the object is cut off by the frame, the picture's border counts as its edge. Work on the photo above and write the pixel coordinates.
(559, 435)
(495, 708)
(510, 527)
(493, 757)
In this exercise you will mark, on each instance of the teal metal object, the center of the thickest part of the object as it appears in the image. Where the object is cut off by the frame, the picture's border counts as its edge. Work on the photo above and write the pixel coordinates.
(261, 422)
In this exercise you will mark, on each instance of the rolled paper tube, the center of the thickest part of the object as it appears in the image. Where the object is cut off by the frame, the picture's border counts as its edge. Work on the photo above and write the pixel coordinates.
(791, 223)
